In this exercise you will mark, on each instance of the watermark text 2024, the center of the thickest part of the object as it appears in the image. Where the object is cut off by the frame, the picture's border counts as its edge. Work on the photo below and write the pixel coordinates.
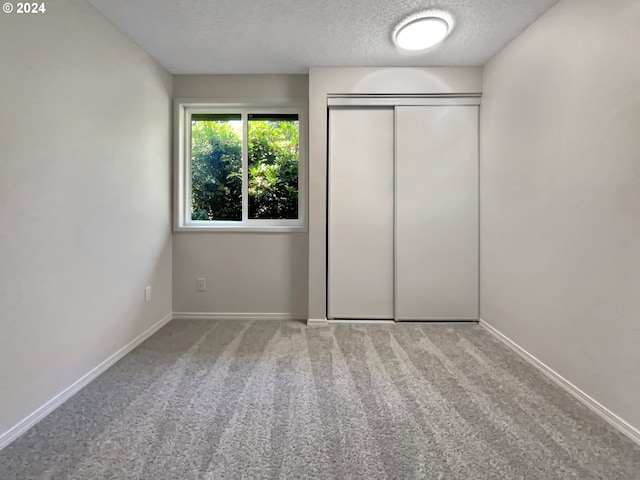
(20, 7)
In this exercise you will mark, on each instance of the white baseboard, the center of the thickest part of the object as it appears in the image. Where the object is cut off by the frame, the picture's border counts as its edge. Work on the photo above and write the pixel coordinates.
(234, 316)
(595, 406)
(317, 322)
(21, 427)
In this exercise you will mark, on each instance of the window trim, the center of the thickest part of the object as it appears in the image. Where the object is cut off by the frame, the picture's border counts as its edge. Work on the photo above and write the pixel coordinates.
(183, 108)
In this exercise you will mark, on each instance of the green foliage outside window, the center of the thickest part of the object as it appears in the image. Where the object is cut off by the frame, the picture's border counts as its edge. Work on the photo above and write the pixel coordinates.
(273, 169)
(216, 168)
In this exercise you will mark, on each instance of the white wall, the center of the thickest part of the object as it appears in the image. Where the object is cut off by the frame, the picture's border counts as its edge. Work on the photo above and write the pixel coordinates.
(247, 273)
(324, 81)
(84, 199)
(560, 197)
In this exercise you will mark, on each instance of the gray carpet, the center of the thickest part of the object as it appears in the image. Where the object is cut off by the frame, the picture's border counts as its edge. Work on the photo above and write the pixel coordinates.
(275, 399)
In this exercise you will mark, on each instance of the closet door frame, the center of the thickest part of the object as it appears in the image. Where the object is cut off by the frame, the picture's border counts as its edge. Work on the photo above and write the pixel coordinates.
(347, 100)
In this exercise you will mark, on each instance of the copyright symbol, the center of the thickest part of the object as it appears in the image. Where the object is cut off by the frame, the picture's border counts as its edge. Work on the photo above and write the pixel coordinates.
(7, 8)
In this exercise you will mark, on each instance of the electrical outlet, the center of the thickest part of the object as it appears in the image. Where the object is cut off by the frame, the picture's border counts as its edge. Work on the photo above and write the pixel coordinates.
(147, 294)
(202, 284)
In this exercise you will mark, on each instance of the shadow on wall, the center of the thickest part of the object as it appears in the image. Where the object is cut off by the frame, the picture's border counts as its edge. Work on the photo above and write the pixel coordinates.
(388, 81)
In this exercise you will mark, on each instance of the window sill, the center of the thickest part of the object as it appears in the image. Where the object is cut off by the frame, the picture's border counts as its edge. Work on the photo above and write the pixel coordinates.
(240, 229)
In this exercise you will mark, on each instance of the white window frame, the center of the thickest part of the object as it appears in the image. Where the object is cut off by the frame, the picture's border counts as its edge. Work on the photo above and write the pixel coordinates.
(183, 109)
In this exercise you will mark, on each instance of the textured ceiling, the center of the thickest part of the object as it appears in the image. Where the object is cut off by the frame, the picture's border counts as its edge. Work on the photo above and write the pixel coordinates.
(289, 36)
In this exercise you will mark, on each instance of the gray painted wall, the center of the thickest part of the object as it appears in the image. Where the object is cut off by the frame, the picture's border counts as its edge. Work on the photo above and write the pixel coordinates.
(84, 199)
(560, 192)
(253, 273)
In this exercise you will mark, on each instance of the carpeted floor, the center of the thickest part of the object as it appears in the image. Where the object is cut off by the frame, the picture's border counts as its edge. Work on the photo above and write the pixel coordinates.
(275, 399)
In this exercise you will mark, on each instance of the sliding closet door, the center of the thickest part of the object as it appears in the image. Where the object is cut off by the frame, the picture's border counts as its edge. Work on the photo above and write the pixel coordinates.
(436, 213)
(360, 229)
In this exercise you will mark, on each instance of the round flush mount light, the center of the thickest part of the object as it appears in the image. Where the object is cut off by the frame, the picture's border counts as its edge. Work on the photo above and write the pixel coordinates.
(422, 31)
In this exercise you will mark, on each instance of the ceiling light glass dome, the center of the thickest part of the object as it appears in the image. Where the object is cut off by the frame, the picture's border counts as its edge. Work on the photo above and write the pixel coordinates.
(422, 31)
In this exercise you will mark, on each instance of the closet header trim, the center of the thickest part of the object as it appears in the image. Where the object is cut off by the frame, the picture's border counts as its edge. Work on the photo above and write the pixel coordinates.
(394, 101)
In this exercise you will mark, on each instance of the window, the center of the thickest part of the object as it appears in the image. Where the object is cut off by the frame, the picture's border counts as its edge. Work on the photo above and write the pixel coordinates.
(240, 167)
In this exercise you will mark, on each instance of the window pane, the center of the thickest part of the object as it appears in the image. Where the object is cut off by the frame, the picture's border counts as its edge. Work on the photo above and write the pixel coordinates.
(273, 166)
(216, 167)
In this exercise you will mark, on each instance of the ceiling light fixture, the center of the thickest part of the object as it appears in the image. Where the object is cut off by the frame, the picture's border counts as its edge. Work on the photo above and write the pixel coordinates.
(422, 31)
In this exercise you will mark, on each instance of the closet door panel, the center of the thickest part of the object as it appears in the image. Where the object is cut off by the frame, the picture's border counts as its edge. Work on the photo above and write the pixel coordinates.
(436, 213)
(360, 213)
